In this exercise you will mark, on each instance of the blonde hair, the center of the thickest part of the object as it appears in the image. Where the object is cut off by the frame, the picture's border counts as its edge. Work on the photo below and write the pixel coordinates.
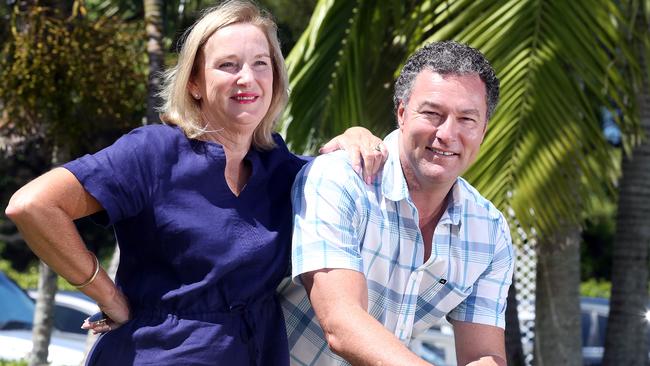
(179, 108)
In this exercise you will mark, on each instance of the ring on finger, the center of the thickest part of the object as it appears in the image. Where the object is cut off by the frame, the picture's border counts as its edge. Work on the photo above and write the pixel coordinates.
(377, 147)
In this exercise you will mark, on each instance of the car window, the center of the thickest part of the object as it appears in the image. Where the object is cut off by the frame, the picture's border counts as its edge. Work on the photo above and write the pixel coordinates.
(69, 320)
(593, 328)
(15, 305)
(585, 322)
(602, 327)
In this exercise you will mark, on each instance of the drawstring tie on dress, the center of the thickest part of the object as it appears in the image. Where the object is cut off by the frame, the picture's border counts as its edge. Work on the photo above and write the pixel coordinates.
(247, 330)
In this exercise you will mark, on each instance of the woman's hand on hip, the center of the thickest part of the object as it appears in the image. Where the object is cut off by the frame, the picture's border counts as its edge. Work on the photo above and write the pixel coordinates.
(113, 315)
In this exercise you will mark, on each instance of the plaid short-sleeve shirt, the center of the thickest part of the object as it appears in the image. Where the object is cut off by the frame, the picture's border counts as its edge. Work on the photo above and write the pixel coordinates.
(340, 222)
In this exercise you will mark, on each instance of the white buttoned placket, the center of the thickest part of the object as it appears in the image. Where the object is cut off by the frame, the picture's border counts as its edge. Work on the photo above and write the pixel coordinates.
(406, 317)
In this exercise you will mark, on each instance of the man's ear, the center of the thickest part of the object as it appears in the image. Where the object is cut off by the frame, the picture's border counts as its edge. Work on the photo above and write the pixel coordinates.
(400, 114)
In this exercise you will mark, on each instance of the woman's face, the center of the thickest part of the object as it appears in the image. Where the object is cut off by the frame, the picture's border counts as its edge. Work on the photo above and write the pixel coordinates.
(234, 80)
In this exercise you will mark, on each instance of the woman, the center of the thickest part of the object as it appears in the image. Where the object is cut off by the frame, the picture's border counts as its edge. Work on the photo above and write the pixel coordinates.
(200, 207)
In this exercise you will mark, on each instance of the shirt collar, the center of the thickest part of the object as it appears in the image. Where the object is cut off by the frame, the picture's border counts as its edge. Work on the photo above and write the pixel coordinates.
(454, 210)
(394, 187)
(393, 183)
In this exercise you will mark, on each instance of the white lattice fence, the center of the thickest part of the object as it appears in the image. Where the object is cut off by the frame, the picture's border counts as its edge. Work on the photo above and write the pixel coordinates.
(525, 274)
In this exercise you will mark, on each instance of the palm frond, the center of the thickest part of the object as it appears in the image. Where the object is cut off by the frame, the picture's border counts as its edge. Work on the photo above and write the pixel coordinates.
(341, 71)
(554, 60)
(558, 62)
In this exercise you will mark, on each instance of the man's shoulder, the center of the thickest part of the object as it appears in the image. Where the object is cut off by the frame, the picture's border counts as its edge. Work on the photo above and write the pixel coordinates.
(334, 166)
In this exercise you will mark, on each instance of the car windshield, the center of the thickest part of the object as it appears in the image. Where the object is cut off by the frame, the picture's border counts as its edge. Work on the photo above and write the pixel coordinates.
(16, 308)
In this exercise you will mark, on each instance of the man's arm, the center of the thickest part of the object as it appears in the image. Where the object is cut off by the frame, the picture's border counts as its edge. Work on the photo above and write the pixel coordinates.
(479, 344)
(340, 300)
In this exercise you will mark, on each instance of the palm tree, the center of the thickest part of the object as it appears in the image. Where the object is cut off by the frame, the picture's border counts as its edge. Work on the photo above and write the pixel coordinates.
(154, 29)
(626, 338)
(557, 306)
(43, 315)
(544, 154)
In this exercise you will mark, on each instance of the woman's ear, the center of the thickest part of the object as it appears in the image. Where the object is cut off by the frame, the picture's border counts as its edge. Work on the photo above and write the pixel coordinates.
(193, 89)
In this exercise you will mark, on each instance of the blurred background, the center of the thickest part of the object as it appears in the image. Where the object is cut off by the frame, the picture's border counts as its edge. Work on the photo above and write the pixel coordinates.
(566, 157)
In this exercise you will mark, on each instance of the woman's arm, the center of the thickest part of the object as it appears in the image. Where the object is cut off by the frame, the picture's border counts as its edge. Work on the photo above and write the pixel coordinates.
(44, 211)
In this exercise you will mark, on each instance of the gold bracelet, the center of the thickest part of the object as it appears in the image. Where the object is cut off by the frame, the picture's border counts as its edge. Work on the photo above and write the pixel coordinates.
(92, 278)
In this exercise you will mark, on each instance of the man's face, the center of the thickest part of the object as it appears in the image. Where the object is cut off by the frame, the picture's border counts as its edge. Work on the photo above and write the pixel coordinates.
(443, 125)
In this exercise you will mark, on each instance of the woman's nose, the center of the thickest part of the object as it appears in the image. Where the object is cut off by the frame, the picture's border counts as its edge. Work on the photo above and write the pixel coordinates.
(245, 76)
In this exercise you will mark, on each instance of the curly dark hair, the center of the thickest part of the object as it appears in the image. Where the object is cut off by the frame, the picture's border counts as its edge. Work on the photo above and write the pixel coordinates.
(448, 58)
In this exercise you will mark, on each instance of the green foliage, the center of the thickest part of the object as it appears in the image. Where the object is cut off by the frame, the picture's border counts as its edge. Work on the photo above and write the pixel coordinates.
(13, 363)
(29, 278)
(596, 288)
(342, 70)
(4, 23)
(70, 79)
(292, 17)
(598, 240)
(69, 83)
(544, 155)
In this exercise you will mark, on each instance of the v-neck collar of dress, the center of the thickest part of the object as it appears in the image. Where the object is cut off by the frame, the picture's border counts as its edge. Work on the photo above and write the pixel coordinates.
(216, 151)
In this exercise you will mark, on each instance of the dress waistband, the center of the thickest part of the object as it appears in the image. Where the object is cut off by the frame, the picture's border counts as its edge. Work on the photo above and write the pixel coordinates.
(219, 312)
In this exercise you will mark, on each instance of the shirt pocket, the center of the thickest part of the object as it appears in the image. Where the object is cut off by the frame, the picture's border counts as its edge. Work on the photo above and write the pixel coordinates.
(436, 302)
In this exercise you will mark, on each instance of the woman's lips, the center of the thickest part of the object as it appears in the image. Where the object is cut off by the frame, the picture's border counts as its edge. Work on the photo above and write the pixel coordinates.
(244, 98)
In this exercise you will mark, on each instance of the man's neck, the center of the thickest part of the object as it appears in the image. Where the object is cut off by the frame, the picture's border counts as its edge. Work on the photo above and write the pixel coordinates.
(430, 205)
(430, 199)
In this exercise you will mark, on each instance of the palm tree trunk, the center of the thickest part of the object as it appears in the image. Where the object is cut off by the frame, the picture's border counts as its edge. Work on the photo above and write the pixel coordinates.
(626, 339)
(43, 315)
(557, 300)
(153, 21)
(514, 350)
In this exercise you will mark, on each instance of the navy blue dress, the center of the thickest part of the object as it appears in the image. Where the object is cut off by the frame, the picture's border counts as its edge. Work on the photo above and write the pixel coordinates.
(198, 264)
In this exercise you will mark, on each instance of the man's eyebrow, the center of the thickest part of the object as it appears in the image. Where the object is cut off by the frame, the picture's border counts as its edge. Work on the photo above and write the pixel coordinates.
(427, 103)
(470, 111)
(430, 104)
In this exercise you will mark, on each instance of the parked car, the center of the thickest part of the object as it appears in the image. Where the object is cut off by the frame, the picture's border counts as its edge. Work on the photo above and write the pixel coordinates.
(16, 321)
(595, 312)
(437, 343)
(71, 308)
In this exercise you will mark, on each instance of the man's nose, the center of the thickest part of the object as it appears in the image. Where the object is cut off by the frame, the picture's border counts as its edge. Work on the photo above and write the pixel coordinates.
(447, 129)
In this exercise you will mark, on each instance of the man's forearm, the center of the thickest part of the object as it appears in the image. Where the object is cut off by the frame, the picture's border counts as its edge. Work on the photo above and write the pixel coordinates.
(340, 301)
(361, 340)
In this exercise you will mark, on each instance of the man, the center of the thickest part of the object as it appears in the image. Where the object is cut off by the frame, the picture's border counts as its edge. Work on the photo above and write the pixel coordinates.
(381, 263)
